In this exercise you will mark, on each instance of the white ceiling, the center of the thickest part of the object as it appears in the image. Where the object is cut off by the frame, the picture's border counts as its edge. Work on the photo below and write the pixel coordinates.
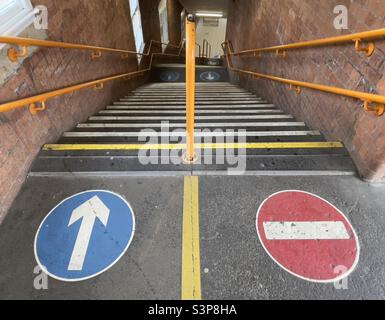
(193, 6)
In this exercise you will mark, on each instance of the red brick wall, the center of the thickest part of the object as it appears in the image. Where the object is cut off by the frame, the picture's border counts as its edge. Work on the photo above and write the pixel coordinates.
(97, 22)
(262, 23)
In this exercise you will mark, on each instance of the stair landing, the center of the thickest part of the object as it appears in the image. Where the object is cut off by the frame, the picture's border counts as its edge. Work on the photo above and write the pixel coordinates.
(174, 73)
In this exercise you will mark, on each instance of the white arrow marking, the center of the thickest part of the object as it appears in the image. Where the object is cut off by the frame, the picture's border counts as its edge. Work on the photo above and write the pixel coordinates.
(88, 211)
(210, 77)
(315, 230)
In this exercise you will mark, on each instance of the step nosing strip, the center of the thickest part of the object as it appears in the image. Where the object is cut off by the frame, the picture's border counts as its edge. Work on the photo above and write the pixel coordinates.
(259, 145)
(197, 134)
(251, 112)
(182, 107)
(198, 125)
(198, 106)
(108, 118)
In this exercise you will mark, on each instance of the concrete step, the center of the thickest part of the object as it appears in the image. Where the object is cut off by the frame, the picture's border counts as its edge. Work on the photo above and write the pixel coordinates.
(259, 105)
(182, 86)
(198, 134)
(198, 95)
(182, 91)
(197, 90)
(211, 137)
(103, 152)
(207, 85)
(183, 118)
(101, 165)
(258, 165)
(183, 103)
(183, 112)
(198, 84)
(249, 126)
(197, 99)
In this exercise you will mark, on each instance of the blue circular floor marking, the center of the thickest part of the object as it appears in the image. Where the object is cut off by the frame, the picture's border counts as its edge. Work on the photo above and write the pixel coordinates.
(210, 76)
(84, 235)
(170, 76)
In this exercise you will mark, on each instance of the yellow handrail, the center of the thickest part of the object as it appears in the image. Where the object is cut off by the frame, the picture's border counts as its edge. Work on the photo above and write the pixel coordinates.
(24, 43)
(356, 38)
(179, 47)
(367, 98)
(97, 84)
(42, 98)
(27, 42)
(190, 157)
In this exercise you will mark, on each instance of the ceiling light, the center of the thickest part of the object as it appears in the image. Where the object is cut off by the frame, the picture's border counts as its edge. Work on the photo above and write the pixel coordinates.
(210, 14)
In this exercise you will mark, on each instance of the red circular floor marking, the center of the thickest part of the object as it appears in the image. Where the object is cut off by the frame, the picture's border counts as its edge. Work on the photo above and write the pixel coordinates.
(307, 236)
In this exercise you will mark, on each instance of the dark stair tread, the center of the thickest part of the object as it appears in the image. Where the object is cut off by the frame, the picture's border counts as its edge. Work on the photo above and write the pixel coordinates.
(132, 164)
(324, 152)
(182, 125)
(133, 140)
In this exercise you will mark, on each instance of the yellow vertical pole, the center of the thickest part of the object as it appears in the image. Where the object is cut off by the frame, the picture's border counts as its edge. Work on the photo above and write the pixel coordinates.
(190, 86)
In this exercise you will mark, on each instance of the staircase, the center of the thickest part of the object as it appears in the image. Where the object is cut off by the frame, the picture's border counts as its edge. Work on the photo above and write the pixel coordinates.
(276, 144)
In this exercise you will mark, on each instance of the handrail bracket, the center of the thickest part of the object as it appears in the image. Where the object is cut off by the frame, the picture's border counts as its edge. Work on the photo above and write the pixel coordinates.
(378, 108)
(296, 89)
(34, 109)
(96, 54)
(280, 53)
(369, 48)
(14, 55)
(99, 86)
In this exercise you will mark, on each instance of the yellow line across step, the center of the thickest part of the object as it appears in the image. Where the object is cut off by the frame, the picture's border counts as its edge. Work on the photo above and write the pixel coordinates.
(191, 264)
(261, 145)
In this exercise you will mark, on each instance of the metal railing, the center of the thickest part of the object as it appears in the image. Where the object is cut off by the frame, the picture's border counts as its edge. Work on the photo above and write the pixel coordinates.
(98, 84)
(206, 49)
(169, 45)
(199, 50)
(371, 102)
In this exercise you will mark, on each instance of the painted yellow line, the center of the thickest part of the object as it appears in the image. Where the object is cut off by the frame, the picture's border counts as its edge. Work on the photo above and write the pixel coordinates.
(191, 264)
(261, 145)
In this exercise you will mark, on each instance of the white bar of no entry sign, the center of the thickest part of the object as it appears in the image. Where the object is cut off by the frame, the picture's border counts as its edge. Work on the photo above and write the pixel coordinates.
(315, 230)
